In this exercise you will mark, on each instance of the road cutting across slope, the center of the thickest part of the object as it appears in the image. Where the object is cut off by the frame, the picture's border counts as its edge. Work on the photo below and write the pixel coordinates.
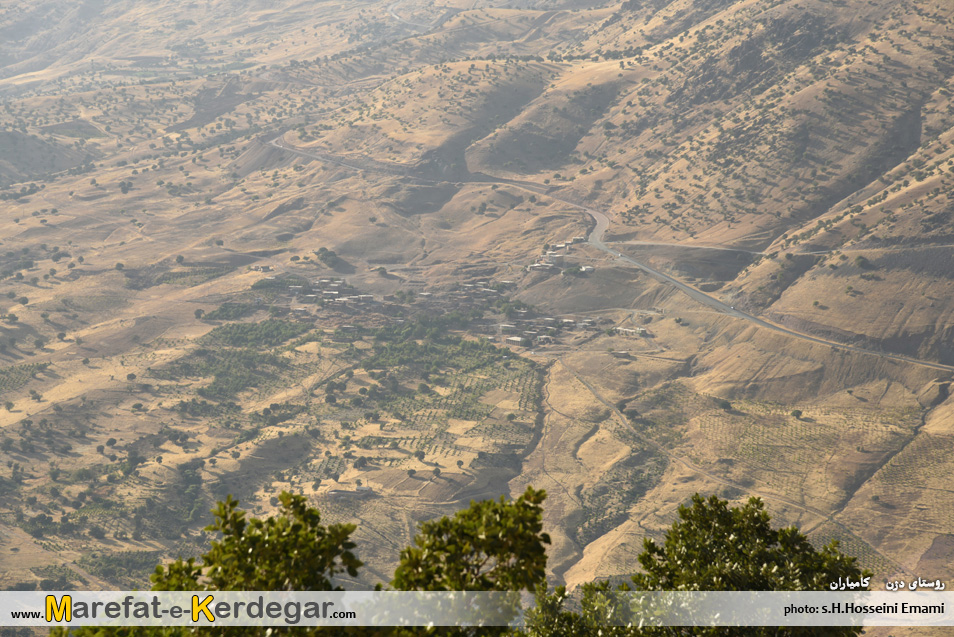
(595, 239)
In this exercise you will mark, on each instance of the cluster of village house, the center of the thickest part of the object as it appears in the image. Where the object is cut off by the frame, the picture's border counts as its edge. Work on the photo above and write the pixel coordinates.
(524, 330)
(554, 257)
(342, 295)
(543, 330)
(336, 291)
(340, 292)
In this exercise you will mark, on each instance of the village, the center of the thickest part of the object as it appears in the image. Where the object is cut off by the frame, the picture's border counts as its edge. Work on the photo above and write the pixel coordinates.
(348, 310)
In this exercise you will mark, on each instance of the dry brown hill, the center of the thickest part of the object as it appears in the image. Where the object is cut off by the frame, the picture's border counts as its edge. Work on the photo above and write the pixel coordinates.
(186, 189)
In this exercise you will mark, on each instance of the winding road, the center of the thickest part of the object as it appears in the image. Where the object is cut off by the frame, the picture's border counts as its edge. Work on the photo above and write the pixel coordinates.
(595, 239)
(391, 10)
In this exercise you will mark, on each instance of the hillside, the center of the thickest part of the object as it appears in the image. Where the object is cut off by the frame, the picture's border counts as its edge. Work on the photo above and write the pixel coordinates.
(215, 217)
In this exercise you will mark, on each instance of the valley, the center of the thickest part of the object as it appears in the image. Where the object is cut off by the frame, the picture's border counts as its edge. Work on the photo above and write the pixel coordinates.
(397, 256)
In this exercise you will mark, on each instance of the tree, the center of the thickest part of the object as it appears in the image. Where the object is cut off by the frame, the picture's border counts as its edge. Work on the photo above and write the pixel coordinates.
(711, 547)
(291, 551)
(720, 548)
(499, 545)
(549, 617)
(120, 266)
(492, 545)
(715, 547)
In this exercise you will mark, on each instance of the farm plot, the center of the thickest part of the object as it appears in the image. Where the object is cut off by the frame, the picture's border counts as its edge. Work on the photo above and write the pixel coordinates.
(232, 370)
(486, 406)
(127, 568)
(15, 377)
(915, 483)
(849, 544)
(607, 503)
(808, 455)
(190, 277)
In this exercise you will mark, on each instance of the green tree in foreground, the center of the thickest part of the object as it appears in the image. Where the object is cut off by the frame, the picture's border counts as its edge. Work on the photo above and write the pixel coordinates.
(490, 546)
(711, 547)
(715, 547)
(291, 551)
(499, 545)
(288, 552)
